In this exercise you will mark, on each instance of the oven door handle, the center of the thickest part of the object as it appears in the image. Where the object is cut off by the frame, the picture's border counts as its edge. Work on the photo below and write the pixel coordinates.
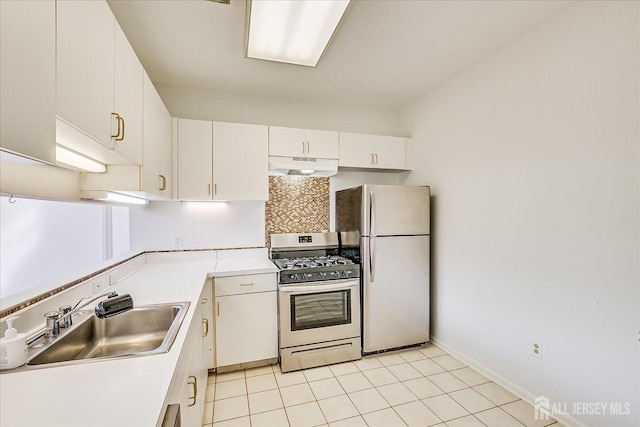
(317, 288)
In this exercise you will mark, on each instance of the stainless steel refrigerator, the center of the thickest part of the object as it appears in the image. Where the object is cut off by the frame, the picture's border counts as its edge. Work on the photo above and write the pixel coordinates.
(386, 228)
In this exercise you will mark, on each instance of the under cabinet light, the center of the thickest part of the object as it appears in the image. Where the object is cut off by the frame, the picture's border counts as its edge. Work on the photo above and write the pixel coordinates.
(77, 160)
(124, 198)
(113, 197)
(292, 31)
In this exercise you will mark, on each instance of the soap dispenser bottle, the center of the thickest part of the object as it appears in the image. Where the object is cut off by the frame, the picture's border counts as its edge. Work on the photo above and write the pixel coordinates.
(13, 347)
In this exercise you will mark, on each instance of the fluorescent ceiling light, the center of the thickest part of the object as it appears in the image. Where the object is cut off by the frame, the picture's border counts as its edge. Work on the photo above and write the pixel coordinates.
(292, 31)
(77, 160)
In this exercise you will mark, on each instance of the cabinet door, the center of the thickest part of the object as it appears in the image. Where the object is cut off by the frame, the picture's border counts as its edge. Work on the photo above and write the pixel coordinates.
(194, 159)
(208, 325)
(156, 143)
(128, 95)
(356, 150)
(389, 152)
(286, 142)
(322, 144)
(195, 382)
(166, 173)
(240, 162)
(246, 328)
(27, 78)
(85, 67)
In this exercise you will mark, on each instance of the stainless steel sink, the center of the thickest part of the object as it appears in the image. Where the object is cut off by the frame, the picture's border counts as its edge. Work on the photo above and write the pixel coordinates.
(142, 331)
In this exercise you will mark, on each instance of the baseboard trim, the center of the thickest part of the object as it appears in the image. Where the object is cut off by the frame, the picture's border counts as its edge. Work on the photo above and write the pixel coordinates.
(505, 383)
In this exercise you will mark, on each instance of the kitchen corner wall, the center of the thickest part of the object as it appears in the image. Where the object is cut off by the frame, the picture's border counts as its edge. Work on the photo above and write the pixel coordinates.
(532, 155)
(297, 204)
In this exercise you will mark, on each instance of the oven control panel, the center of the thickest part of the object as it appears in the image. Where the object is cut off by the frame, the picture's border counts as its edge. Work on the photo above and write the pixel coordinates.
(352, 271)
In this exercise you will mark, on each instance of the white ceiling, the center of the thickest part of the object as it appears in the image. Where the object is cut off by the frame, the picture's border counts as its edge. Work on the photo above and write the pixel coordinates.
(385, 54)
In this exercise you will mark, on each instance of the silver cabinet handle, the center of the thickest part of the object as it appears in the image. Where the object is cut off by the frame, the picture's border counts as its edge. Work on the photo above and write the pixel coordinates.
(303, 147)
(209, 189)
(308, 147)
(376, 157)
(194, 383)
(206, 327)
(246, 284)
(215, 189)
(372, 158)
(218, 308)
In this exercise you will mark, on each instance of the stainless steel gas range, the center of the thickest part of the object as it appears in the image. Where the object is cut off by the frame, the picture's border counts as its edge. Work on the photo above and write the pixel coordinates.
(319, 301)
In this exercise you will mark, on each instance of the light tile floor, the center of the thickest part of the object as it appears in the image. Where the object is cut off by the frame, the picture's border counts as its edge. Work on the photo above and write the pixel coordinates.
(419, 387)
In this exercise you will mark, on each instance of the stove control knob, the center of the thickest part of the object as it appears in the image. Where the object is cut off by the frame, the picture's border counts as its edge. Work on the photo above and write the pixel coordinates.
(322, 275)
(293, 276)
(307, 276)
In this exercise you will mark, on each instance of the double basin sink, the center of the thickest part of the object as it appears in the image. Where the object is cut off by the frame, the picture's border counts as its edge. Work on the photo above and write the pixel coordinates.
(141, 331)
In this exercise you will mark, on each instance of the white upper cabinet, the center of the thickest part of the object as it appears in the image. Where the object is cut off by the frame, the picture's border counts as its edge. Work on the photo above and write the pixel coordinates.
(152, 180)
(156, 141)
(85, 62)
(389, 152)
(240, 162)
(128, 98)
(195, 159)
(294, 142)
(222, 161)
(27, 78)
(372, 151)
(99, 77)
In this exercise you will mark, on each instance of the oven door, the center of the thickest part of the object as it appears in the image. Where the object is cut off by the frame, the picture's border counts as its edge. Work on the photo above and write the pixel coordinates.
(319, 311)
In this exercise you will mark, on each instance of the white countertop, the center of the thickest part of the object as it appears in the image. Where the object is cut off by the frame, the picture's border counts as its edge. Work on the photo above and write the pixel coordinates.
(121, 392)
(232, 267)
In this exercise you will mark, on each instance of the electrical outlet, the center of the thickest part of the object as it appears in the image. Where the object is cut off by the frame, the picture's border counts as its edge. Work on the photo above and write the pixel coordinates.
(177, 240)
(536, 349)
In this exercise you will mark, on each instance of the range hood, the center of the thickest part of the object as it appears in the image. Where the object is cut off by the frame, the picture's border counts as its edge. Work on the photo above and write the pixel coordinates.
(302, 166)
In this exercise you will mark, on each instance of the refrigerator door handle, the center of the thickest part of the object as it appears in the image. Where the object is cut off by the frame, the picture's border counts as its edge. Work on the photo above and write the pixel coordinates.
(372, 214)
(372, 261)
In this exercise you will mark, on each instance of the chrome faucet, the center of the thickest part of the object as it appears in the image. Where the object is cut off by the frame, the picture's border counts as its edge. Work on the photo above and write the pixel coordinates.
(55, 320)
(52, 324)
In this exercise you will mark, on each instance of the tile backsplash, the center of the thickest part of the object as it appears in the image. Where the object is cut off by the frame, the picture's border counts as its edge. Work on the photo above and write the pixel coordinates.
(297, 204)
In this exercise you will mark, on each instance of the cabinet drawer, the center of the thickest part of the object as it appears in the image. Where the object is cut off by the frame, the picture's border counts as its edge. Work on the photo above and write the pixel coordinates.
(245, 284)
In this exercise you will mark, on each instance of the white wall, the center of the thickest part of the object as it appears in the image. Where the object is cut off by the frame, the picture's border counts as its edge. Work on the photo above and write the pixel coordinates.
(532, 155)
(206, 104)
(202, 225)
(45, 244)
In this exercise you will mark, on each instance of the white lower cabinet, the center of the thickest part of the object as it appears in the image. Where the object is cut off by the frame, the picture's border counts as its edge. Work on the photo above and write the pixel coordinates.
(208, 325)
(246, 309)
(189, 383)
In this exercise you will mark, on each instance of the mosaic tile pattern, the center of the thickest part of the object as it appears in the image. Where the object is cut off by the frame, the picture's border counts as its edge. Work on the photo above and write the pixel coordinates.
(297, 204)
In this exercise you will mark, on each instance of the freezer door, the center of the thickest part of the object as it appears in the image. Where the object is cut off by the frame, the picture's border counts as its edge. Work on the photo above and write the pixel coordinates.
(395, 291)
(394, 210)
